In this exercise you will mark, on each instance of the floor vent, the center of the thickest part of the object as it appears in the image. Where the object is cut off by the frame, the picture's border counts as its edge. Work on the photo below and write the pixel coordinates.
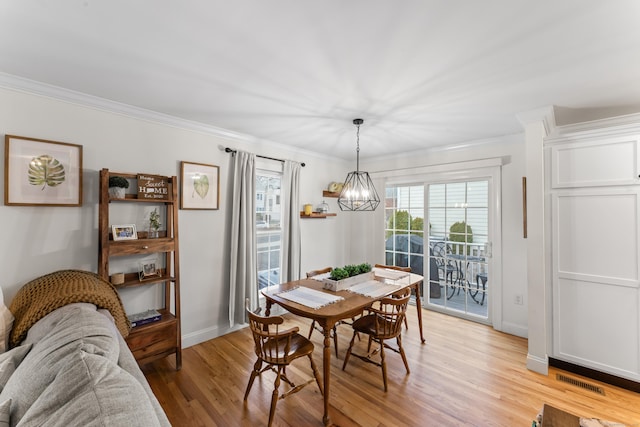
(579, 383)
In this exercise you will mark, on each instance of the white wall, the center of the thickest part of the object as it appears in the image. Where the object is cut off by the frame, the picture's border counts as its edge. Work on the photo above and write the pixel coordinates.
(39, 240)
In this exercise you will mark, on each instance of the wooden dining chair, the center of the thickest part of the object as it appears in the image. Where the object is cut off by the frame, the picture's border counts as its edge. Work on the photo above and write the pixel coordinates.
(398, 268)
(277, 349)
(381, 324)
(314, 324)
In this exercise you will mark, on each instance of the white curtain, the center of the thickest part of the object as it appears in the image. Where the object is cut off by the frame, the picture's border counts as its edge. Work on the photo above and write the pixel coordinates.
(243, 282)
(290, 221)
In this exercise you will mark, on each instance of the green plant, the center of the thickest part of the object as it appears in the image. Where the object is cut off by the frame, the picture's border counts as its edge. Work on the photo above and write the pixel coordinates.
(364, 268)
(460, 232)
(340, 273)
(154, 220)
(118, 181)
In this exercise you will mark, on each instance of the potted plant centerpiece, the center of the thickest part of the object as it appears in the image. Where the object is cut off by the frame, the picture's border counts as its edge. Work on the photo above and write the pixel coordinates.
(347, 276)
(117, 187)
(154, 224)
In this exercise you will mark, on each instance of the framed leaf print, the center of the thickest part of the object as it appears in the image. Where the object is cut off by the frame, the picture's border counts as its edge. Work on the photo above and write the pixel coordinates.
(38, 172)
(200, 186)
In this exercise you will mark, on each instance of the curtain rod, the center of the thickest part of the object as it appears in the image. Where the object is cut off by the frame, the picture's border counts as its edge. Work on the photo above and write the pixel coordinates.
(230, 150)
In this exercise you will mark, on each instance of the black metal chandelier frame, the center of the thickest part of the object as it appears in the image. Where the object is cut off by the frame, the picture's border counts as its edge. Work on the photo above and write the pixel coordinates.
(358, 192)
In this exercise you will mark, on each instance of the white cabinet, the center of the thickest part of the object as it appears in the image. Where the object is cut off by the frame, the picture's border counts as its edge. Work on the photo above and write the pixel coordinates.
(594, 192)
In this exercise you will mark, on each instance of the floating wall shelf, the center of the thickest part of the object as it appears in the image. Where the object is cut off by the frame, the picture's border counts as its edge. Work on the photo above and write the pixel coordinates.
(326, 193)
(316, 215)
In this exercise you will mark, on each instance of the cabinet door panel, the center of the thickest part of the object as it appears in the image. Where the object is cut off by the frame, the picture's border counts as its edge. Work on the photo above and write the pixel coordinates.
(596, 281)
(595, 234)
(610, 161)
(598, 326)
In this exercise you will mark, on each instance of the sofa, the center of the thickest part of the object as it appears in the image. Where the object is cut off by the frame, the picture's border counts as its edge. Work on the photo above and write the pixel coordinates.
(68, 363)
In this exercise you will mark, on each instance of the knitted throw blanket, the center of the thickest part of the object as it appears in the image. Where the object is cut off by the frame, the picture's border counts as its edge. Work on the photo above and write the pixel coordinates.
(43, 295)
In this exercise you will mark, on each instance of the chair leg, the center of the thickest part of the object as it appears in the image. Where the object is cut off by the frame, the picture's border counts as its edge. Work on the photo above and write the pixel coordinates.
(256, 371)
(383, 363)
(335, 339)
(348, 354)
(401, 350)
(274, 396)
(313, 325)
(316, 374)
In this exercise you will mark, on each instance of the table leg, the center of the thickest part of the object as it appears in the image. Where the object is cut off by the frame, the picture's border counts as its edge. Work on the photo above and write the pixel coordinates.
(326, 368)
(419, 308)
(267, 311)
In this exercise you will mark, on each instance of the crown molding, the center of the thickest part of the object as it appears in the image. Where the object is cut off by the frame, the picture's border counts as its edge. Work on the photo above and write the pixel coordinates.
(22, 84)
(546, 115)
(627, 122)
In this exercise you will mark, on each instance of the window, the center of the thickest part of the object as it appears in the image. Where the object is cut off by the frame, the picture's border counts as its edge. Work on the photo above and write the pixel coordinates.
(268, 231)
(404, 232)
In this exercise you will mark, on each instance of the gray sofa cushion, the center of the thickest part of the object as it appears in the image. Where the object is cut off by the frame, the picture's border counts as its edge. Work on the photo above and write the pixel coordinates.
(71, 375)
(10, 360)
(91, 391)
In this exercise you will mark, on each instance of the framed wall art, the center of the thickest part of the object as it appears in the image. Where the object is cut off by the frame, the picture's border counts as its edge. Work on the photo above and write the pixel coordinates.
(38, 172)
(200, 186)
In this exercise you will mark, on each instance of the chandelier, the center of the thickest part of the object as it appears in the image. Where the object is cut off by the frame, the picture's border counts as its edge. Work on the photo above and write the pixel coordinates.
(358, 192)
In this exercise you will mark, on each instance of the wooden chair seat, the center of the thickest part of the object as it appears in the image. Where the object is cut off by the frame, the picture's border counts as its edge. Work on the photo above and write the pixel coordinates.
(277, 353)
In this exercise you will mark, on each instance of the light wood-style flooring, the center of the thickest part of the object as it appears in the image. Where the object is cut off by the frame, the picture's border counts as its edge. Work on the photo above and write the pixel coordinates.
(466, 374)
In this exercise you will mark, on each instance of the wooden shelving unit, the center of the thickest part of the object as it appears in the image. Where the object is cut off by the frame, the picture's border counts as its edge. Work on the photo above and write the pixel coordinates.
(161, 338)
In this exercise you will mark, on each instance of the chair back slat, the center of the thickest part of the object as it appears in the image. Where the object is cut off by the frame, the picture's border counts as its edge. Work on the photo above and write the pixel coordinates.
(318, 272)
(390, 316)
(270, 343)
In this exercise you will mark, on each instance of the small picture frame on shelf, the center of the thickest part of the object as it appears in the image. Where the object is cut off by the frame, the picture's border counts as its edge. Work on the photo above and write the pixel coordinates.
(124, 232)
(148, 269)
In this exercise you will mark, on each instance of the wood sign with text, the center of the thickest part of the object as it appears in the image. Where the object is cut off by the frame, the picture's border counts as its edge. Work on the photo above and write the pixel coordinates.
(153, 187)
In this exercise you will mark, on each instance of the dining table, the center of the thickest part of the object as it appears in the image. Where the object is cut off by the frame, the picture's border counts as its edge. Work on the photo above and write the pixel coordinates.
(347, 305)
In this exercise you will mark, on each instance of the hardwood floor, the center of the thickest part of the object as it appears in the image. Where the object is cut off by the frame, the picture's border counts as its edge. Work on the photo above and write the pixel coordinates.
(466, 374)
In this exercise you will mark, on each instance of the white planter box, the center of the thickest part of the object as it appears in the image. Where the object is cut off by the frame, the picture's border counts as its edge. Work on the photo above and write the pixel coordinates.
(339, 285)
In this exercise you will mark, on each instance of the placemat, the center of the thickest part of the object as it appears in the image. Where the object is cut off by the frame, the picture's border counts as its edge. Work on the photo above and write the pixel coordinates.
(309, 297)
(373, 288)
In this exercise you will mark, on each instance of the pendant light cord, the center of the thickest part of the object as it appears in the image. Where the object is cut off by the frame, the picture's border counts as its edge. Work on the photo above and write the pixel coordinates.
(358, 148)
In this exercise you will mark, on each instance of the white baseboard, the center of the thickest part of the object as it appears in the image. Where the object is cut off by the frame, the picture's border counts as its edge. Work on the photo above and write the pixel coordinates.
(207, 334)
(538, 364)
(515, 329)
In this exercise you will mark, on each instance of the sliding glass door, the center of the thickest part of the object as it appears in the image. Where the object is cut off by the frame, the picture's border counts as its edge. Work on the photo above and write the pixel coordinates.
(458, 215)
(442, 229)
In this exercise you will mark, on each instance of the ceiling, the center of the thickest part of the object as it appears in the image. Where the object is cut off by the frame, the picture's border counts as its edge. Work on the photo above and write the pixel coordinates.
(421, 73)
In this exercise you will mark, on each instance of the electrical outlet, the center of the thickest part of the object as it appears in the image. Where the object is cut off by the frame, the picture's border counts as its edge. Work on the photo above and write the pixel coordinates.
(518, 299)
